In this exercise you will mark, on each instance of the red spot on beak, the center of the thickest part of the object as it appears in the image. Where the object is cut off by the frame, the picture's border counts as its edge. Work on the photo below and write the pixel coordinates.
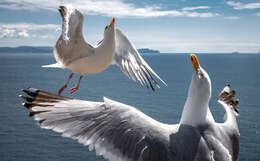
(191, 58)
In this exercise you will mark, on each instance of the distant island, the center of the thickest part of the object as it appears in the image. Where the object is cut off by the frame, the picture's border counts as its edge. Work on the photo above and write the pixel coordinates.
(236, 52)
(147, 50)
(26, 49)
(48, 49)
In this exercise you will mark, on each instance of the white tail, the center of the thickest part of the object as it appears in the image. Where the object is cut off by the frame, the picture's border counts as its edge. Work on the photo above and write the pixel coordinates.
(52, 66)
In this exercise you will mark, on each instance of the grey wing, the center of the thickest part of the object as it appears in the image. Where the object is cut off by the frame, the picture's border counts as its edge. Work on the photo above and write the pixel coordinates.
(227, 142)
(226, 99)
(229, 129)
(67, 51)
(71, 45)
(115, 130)
(131, 63)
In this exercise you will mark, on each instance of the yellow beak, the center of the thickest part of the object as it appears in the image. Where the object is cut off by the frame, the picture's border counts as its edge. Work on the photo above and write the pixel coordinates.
(195, 61)
(112, 22)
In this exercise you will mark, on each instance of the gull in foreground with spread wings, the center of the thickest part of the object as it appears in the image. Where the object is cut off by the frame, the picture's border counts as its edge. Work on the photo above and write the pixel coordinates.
(121, 132)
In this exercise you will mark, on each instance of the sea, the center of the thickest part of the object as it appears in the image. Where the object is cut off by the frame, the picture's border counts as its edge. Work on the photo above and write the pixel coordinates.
(21, 139)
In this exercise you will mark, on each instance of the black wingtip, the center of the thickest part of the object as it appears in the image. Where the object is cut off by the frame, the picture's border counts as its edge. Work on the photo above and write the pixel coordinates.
(228, 98)
(27, 99)
(33, 113)
(152, 88)
(27, 105)
(31, 91)
(41, 121)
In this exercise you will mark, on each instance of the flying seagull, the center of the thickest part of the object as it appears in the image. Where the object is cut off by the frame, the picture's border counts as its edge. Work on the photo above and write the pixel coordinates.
(73, 52)
(120, 132)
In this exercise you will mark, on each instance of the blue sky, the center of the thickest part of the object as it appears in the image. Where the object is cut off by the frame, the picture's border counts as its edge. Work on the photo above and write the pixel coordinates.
(217, 26)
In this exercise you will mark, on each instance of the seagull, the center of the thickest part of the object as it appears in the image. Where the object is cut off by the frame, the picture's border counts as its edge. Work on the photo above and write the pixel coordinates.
(73, 52)
(120, 132)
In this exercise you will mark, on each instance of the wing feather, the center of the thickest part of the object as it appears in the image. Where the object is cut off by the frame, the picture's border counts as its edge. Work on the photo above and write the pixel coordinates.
(132, 74)
(230, 127)
(114, 130)
(131, 62)
(71, 45)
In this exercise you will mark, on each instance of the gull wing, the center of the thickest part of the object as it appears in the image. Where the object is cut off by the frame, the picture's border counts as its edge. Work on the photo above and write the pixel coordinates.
(229, 129)
(226, 99)
(131, 63)
(71, 45)
(115, 130)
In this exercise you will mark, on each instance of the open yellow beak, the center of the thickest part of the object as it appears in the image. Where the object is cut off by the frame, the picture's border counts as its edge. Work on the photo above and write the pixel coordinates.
(112, 22)
(195, 61)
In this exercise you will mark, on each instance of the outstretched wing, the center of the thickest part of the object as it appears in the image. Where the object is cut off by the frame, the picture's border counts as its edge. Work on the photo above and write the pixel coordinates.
(115, 130)
(131, 63)
(226, 99)
(71, 45)
(230, 127)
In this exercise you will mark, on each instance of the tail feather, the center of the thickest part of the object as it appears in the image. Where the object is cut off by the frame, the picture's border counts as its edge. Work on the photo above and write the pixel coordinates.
(56, 65)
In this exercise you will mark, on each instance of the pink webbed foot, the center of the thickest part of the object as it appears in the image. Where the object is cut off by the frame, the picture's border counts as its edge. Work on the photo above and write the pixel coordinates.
(72, 90)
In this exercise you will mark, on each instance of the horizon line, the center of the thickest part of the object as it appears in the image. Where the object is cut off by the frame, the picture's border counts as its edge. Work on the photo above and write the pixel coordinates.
(168, 52)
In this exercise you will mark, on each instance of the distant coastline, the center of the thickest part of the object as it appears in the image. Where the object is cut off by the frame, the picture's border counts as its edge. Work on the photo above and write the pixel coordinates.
(236, 52)
(48, 49)
(26, 49)
(147, 50)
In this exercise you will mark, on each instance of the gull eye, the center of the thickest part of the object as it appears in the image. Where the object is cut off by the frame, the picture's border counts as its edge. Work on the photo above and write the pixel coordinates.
(201, 76)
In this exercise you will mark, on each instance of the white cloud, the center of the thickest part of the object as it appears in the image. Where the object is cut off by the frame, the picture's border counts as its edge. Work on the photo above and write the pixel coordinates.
(117, 8)
(6, 32)
(23, 33)
(15, 6)
(202, 15)
(258, 14)
(30, 26)
(232, 17)
(195, 8)
(240, 6)
(47, 36)
(22, 30)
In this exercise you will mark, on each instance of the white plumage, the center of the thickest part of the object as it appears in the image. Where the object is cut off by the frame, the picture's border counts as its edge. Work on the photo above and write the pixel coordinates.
(73, 52)
(120, 132)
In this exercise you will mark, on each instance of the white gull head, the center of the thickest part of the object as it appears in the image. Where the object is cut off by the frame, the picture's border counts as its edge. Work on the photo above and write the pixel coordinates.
(200, 86)
(196, 111)
(109, 32)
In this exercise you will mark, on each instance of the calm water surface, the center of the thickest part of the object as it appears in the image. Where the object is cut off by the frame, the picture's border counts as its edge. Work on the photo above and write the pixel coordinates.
(22, 140)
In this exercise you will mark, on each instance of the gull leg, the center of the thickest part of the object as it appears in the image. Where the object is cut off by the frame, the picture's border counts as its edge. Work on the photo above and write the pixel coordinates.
(72, 90)
(65, 85)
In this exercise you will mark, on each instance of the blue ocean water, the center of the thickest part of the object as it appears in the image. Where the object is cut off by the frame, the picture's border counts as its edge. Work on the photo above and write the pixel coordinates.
(22, 140)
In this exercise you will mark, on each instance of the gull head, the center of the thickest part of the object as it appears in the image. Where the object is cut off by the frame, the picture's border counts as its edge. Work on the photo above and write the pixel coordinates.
(110, 29)
(200, 86)
(72, 21)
